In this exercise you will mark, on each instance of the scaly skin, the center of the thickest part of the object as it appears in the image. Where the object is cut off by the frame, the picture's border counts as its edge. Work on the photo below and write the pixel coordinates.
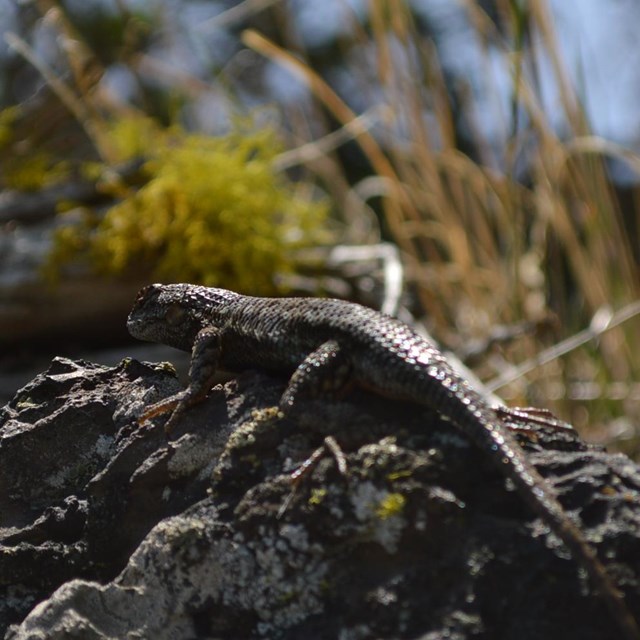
(325, 344)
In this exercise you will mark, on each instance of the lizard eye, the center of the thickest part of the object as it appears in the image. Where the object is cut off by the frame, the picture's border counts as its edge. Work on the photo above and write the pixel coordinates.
(175, 315)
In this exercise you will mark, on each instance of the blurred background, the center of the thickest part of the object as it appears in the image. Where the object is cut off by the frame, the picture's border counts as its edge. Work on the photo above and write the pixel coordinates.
(471, 164)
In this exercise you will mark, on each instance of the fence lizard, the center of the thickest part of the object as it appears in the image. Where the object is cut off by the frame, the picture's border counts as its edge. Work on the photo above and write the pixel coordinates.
(328, 344)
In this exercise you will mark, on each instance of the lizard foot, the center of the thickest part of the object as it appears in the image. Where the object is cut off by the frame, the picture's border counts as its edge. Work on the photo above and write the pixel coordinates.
(329, 445)
(174, 404)
(533, 416)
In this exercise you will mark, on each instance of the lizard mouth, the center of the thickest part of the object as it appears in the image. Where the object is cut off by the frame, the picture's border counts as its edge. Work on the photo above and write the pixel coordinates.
(135, 328)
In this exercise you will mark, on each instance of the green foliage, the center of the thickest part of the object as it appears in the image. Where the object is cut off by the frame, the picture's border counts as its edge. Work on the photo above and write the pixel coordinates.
(213, 211)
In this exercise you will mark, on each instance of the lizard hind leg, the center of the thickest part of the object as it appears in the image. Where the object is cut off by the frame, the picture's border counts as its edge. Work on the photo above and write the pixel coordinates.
(325, 372)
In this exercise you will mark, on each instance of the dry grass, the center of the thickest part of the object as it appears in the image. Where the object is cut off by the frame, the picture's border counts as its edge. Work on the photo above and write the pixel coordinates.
(483, 248)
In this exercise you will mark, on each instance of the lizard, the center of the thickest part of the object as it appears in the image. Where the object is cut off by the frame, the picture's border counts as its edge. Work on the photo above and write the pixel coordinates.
(327, 345)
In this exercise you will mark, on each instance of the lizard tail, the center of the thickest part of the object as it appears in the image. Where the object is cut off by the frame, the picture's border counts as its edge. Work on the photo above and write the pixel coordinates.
(542, 499)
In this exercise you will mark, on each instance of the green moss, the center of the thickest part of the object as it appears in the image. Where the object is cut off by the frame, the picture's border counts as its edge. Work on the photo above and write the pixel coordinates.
(35, 173)
(213, 211)
(391, 505)
(399, 475)
(7, 120)
(25, 166)
(317, 496)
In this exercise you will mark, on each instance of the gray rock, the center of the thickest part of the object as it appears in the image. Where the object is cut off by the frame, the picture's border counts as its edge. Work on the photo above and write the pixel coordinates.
(108, 530)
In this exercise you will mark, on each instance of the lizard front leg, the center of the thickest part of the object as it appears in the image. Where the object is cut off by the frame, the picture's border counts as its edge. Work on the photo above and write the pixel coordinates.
(205, 357)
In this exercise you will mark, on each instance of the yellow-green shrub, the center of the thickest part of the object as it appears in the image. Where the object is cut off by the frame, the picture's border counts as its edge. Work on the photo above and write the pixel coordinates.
(213, 211)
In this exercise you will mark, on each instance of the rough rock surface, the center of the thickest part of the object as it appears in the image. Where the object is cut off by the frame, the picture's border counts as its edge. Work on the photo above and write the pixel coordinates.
(107, 530)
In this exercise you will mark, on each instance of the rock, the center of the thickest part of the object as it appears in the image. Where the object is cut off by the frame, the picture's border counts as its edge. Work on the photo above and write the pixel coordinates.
(108, 530)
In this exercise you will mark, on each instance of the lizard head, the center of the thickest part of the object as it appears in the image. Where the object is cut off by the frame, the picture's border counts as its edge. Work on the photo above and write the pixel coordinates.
(173, 314)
